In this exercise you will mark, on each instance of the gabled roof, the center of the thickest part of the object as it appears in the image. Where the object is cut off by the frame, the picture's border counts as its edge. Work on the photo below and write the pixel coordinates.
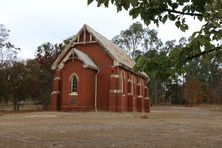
(88, 63)
(85, 58)
(117, 54)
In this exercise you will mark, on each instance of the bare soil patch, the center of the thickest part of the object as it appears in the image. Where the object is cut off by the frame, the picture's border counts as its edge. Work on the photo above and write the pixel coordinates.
(165, 126)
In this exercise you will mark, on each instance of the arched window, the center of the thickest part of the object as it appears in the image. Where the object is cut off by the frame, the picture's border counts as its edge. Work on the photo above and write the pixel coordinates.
(74, 84)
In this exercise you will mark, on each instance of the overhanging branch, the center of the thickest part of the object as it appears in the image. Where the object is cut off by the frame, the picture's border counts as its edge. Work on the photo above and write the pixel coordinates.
(202, 53)
(183, 13)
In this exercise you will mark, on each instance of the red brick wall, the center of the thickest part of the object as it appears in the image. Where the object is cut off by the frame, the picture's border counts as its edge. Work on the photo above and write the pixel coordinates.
(106, 100)
(85, 86)
(104, 62)
(125, 101)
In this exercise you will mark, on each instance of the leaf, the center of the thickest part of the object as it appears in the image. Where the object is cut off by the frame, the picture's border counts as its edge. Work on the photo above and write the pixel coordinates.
(164, 19)
(106, 3)
(134, 2)
(174, 5)
(134, 13)
(126, 5)
(200, 18)
(177, 24)
(90, 1)
(184, 27)
(172, 17)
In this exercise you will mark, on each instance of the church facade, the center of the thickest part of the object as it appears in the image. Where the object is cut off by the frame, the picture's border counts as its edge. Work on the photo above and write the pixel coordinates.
(92, 73)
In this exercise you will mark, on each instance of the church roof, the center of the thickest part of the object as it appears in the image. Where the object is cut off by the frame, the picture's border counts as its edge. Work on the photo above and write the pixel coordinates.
(85, 58)
(117, 54)
(88, 63)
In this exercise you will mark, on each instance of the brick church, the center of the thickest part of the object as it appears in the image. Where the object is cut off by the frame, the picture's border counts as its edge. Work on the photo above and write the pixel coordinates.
(92, 73)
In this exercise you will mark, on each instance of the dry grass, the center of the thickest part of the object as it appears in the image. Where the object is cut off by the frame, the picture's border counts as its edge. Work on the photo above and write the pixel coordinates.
(166, 127)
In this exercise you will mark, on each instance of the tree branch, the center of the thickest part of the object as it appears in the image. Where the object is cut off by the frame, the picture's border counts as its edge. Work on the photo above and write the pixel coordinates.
(202, 53)
(183, 13)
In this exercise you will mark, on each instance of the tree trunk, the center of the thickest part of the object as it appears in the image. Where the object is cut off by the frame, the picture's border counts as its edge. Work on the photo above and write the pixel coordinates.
(15, 103)
(155, 91)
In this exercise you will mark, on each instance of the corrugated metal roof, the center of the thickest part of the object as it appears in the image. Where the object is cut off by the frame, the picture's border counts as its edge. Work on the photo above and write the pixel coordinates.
(85, 58)
(115, 52)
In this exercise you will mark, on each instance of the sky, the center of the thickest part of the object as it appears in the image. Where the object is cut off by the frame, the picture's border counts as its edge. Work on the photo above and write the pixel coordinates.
(34, 22)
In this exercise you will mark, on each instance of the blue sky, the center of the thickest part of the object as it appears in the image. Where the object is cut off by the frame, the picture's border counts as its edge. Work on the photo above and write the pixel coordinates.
(33, 22)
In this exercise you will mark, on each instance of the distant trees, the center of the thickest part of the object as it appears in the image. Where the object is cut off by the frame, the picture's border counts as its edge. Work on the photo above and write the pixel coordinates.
(7, 54)
(30, 79)
(171, 78)
(137, 39)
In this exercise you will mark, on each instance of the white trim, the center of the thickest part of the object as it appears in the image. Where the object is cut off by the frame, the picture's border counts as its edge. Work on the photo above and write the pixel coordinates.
(78, 38)
(115, 91)
(61, 65)
(71, 82)
(130, 94)
(73, 94)
(132, 84)
(55, 92)
(146, 98)
(114, 76)
(122, 82)
(87, 42)
(96, 88)
(73, 74)
(139, 96)
(88, 66)
(66, 57)
(84, 35)
(129, 80)
(141, 88)
(57, 78)
(115, 63)
(90, 37)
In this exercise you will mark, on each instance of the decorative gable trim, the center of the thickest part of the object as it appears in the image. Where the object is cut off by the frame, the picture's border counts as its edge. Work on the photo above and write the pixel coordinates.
(110, 48)
(77, 54)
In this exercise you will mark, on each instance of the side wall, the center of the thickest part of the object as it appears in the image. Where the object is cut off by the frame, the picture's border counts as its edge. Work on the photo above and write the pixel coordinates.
(128, 92)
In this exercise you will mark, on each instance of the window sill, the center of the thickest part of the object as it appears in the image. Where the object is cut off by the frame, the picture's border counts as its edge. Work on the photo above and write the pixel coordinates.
(130, 94)
(73, 94)
(140, 96)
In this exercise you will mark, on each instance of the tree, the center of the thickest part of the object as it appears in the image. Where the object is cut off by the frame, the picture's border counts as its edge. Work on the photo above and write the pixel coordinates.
(16, 78)
(137, 40)
(7, 50)
(4, 85)
(157, 66)
(40, 68)
(8, 53)
(209, 12)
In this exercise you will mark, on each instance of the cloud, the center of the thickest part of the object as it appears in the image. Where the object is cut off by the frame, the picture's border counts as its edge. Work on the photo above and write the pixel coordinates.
(33, 22)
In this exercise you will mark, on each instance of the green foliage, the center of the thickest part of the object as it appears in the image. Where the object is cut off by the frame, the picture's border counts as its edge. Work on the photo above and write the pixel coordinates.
(30, 79)
(206, 40)
(137, 39)
(170, 74)
(7, 50)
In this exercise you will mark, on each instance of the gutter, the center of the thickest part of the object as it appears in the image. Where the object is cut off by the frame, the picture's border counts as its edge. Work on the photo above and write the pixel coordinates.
(96, 82)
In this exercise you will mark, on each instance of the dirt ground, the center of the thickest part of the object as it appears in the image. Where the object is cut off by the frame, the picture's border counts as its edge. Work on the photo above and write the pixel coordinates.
(165, 126)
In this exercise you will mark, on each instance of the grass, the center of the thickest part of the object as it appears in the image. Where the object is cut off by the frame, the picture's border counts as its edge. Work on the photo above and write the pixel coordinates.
(165, 126)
